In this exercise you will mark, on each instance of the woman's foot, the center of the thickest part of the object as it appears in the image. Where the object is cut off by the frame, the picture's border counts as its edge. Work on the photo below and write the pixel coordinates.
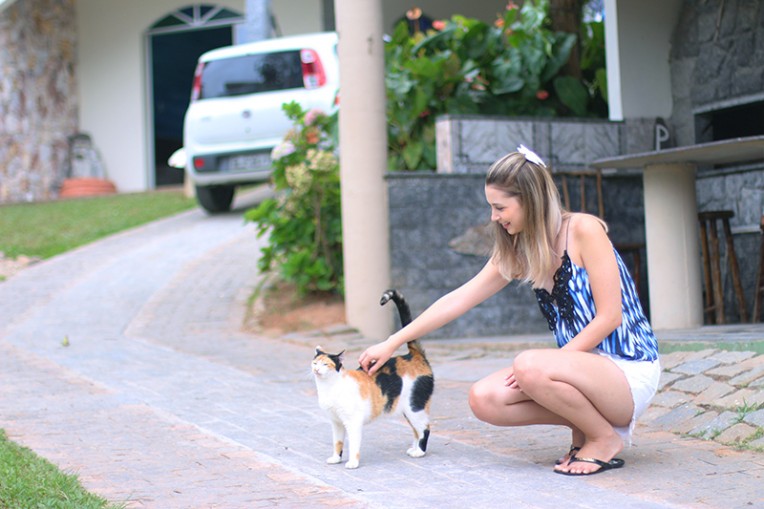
(577, 438)
(602, 449)
(573, 450)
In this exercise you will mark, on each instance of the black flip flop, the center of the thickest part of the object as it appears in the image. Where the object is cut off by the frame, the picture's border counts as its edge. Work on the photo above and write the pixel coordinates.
(604, 465)
(572, 452)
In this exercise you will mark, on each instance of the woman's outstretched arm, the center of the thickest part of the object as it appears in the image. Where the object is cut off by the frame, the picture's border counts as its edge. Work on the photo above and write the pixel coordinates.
(447, 308)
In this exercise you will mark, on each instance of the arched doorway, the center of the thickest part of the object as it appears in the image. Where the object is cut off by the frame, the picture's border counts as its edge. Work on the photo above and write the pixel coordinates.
(174, 45)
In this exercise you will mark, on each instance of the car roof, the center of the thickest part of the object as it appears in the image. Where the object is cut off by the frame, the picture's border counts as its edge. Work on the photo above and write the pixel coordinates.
(268, 45)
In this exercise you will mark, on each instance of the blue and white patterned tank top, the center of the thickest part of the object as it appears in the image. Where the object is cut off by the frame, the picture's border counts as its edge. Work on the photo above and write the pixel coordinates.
(570, 307)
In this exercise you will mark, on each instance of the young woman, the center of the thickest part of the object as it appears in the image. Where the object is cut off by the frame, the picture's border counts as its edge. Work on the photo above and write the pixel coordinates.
(606, 369)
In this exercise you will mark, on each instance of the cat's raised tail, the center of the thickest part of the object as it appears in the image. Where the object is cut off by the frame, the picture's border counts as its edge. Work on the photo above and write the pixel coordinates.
(403, 308)
(403, 311)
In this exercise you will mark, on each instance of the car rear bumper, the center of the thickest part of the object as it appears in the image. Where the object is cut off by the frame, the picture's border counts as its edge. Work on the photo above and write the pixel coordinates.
(229, 168)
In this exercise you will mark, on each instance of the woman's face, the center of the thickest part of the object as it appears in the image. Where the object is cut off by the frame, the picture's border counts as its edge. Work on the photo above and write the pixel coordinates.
(506, 210)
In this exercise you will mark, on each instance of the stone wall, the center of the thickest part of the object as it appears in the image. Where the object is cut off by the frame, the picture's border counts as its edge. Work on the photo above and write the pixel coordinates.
(436, 219)
(38, 97)
(427, 212)
(470, 143)
(717, 61)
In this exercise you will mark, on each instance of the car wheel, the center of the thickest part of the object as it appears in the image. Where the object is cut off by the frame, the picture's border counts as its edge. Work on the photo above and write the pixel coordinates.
(215, 199)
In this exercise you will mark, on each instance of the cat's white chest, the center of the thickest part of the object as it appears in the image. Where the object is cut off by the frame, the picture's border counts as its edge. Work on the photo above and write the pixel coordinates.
(339, 396)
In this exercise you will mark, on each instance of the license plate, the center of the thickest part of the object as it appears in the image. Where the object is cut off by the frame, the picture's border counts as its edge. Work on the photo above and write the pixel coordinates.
(246, 162)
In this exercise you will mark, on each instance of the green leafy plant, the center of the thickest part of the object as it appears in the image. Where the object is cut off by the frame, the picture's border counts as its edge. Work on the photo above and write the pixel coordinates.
(303, 222)
(466, 66)
(745, 409)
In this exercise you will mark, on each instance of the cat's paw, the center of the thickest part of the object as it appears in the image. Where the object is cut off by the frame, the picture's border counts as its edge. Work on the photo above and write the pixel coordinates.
(351, 464)
(334, 459)
(415, 452)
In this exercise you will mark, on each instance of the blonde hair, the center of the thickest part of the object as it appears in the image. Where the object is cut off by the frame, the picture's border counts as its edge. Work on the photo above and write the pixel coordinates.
(528, 255)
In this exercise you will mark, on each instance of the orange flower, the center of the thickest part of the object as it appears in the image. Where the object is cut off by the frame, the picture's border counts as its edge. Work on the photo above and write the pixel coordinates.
(499, 23)
(511, 6)
(542, 95)
(414, 13)
(311, 136)
(438, 24)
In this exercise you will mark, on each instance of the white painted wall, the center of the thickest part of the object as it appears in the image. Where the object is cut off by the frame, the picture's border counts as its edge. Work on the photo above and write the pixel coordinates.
(638, 41)
(298, 16)
(112, 79)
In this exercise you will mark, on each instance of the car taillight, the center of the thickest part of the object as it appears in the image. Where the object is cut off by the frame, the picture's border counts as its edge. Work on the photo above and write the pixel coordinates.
(313, 75)
(199, 163)
(196, 88)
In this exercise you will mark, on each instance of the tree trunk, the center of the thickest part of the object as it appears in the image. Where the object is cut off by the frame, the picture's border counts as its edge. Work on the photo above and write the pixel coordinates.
(565, 16)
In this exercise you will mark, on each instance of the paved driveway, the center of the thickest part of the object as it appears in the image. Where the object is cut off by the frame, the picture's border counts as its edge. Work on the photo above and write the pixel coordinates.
(161, 400)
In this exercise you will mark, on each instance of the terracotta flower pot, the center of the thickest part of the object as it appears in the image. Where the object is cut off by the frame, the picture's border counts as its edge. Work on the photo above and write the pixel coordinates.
(86, 186)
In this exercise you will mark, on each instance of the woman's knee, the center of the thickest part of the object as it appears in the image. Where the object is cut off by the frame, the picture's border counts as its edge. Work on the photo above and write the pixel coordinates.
(530, 367)
(481, 400)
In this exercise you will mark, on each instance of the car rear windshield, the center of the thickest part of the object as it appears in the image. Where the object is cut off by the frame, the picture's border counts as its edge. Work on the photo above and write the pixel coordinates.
(252, 74)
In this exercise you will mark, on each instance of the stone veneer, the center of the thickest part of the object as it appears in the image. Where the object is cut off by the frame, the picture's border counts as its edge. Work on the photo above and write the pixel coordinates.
(435, 217)
(716, 62)
(38, 97)
(428, 211)
(470, 143)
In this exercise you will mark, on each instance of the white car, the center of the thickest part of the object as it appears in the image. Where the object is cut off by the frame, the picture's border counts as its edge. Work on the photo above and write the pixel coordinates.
(235, 117)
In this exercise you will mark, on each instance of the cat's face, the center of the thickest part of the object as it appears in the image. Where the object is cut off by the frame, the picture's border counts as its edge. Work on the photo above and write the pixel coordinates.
(325, 363)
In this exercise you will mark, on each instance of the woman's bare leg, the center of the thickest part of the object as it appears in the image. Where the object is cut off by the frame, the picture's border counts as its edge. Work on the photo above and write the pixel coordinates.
(491, 393)
(584, 391)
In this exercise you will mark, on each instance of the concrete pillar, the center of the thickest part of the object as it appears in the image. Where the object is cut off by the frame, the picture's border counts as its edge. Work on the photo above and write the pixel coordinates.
(257, 25)
(673, 255)
(363, 161)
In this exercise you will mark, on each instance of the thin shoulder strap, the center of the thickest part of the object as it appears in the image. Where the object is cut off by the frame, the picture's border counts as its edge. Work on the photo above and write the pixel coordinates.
(567, 231)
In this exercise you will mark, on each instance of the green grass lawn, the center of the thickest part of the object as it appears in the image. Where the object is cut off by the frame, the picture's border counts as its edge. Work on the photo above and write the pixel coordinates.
(43, 230)
(28, 481)
(50, 228)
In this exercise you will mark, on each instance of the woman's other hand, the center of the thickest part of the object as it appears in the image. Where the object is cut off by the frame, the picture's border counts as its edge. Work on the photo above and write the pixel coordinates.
(510, 380)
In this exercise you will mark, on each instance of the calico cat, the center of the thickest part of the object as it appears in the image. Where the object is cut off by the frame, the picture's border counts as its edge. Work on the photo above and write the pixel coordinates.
(403, 385)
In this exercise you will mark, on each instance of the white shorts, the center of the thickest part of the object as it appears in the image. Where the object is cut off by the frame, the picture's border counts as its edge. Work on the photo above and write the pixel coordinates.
(643, 377)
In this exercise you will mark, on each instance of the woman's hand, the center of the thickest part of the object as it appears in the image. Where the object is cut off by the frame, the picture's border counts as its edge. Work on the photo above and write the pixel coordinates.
(375, 356)
(510, 380)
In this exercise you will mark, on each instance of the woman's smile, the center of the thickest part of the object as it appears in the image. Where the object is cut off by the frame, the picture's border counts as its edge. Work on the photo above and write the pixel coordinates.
(505, 209)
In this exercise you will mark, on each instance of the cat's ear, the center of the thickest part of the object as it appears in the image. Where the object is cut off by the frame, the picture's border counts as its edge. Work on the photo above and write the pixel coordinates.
(318, 350)
(337, 359)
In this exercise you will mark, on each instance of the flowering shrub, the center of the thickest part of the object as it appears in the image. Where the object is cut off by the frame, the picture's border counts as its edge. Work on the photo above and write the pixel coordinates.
(466, 66)
(303, 221)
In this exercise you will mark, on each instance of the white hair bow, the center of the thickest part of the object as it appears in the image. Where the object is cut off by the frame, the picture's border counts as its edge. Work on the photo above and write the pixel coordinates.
(530, 155)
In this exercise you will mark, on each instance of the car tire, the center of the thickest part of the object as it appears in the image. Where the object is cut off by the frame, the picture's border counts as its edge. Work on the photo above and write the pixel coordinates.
(215, 199)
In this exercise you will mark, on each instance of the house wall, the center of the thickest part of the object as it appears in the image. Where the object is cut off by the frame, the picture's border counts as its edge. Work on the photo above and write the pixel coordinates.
(638, 44)
(717, 59)
(113, 78)
(113, 82)
(38, 100)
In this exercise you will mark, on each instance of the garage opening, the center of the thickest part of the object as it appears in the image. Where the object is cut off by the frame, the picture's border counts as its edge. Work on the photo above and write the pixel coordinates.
(175, 42)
